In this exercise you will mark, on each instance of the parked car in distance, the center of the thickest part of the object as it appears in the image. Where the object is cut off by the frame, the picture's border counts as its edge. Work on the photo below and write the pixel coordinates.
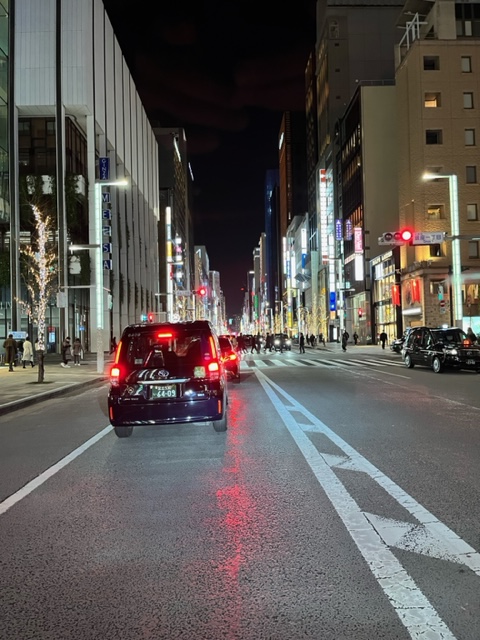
(397, 344)
(440, 349)
(167, 373)
(231, 357)
(281, 342)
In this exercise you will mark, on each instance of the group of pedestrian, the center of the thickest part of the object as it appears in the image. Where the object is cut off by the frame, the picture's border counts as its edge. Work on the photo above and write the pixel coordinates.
(11, 352)
(70, 350)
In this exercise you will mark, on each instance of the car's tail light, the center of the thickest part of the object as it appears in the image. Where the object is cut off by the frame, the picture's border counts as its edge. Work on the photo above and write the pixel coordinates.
(213, 369)
(117, 352)
(115, 373)
(231, 356)
(467, 343)
(165, 335)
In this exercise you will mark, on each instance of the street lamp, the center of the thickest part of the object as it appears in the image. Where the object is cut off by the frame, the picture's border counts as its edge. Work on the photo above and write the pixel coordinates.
(456, 255)
(99, 292)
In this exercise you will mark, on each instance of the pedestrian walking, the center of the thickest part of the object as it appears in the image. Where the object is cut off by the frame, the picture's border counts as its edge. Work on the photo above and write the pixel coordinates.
(312, 340)
(345, 337)
(76, 352)
(301, 342)
(27, 356)
(355, 338)
(66, 352)
(383, 339)
(321, 339)
(471, 336)
(10, 347)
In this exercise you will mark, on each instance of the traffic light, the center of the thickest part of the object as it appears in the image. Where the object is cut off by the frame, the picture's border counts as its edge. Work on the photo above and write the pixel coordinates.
(202, 292)
(405, 236)
(151, 317)
(360, 313)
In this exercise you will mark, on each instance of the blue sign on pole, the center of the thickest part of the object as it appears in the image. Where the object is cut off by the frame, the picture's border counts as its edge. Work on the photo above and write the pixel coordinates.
(107, 247)
(107, 264)
(104, 168)
(107, 214)
(333, 301)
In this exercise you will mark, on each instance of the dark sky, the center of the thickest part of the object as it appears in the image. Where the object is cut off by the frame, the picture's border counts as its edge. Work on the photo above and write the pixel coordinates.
(225, 71)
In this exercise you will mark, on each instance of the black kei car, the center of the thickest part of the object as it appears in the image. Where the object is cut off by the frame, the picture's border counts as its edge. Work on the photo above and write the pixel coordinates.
(167, 373)
(440, 349)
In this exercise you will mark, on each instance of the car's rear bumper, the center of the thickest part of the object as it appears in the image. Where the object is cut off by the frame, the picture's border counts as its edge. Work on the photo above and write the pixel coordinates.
(125, 412)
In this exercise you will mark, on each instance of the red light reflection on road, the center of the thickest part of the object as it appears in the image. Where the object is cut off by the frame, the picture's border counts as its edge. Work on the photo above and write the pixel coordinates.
(243, 523)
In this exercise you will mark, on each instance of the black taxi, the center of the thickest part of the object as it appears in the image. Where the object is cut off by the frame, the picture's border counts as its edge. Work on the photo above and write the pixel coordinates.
(440, 348)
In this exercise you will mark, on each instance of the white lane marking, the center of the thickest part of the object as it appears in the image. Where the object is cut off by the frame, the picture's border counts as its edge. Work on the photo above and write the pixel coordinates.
(43, 477)
(412, 607)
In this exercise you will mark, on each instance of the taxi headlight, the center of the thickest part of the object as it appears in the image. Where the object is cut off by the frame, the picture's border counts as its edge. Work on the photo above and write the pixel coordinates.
(454, 352)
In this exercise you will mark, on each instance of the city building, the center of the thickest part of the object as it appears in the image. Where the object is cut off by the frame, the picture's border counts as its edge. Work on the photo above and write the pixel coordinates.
(78, 126)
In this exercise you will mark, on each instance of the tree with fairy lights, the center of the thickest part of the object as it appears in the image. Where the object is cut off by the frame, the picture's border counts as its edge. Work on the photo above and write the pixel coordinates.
(40, 261)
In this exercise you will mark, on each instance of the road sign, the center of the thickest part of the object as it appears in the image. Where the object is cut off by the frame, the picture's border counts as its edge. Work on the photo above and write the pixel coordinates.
(391, 237)
(428, 237)
(442, 304)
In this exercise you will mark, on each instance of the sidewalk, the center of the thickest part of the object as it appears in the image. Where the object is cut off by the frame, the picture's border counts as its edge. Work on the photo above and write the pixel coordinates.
(20, 388)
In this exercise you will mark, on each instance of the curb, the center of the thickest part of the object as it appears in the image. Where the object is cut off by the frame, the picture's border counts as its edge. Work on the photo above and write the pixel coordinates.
(15, 405)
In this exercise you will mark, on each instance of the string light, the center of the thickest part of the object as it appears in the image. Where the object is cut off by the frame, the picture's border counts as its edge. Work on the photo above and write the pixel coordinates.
(40, 285)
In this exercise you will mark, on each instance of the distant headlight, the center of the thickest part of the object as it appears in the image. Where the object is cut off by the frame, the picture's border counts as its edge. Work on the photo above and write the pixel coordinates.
(454, 352)
(289, 342)
(277, 341)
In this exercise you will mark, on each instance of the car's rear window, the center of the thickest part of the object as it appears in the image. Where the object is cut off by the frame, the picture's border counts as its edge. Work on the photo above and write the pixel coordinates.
(160, 348)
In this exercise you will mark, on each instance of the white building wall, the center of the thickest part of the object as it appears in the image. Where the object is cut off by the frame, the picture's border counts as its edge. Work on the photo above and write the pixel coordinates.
(96, 82)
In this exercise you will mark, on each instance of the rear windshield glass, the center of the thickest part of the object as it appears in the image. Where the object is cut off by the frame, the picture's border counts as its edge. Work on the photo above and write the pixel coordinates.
(165, 348)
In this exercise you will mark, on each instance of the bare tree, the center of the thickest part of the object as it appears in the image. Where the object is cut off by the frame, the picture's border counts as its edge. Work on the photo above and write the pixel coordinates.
(41, 280)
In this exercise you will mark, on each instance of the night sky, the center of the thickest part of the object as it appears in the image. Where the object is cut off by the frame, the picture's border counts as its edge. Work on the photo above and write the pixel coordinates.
(224, 71)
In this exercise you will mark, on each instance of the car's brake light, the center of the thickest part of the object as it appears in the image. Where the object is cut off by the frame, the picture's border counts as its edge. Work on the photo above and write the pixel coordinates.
(115, 373)
(164, 335)
(213, 369)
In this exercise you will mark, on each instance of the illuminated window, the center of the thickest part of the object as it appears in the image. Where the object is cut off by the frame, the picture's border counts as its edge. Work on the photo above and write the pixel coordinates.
(435, 211)
(472, 212)
(432, 100)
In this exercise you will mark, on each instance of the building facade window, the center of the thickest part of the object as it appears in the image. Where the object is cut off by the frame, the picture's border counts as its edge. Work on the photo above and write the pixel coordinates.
(432, 100)
(470, 137)
(471, 174)
(473, 249)
(431, 63)
(435, 211)
(472, 212)
(433, 136)
(468, 100)
(466, 64)
(467, 19)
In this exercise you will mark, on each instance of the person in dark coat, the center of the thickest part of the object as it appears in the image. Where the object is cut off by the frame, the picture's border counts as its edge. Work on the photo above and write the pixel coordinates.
(301, 342)
(383, 339)
(10, 347)
(345, 337)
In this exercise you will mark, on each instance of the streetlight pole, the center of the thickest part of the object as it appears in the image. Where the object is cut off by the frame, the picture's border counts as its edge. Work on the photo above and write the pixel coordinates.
(98, 262)
(456, 254)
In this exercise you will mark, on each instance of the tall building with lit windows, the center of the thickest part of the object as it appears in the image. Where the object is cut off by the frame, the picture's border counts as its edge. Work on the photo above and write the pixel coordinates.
(438, 80)
(76, 125)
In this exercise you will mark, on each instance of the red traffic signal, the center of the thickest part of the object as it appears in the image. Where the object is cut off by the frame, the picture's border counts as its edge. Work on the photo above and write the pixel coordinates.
(360, 313)
(202, 292)
(151, 317)
(406, 235)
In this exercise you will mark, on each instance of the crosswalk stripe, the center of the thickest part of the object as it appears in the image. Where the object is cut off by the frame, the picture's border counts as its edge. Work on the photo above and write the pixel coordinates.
(252, 363)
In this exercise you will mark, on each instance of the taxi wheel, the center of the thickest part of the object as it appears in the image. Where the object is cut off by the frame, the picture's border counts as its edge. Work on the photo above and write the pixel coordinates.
(437, 365)
(408, 361)
(220, 425)
(123, 432)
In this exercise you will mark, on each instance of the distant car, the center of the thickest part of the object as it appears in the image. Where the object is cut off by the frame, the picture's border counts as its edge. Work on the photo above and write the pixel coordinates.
(397, 344)
(167, 373)
(281, 342)
(440, 349)
(230, 357)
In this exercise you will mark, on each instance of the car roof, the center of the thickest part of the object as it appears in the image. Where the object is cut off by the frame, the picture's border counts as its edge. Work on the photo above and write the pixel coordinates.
(194, 325)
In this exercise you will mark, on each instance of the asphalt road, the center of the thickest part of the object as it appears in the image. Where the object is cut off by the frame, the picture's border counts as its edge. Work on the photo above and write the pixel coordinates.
(341, 504)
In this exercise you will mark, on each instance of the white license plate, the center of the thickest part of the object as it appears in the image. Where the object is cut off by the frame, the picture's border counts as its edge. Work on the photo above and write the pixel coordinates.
(470, 361)
(163, 391)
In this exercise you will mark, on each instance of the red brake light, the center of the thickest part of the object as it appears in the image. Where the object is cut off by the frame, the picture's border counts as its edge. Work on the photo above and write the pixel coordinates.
(213, 367)
(164, 335)
(115, 373)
